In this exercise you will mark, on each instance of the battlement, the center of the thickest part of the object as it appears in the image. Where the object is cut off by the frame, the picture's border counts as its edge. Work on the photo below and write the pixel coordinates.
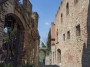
(35, 15)
(59, 7)
(27, 5)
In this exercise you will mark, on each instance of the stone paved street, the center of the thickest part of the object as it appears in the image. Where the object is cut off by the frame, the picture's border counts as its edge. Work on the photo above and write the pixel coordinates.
(45, 33)
(49, 66)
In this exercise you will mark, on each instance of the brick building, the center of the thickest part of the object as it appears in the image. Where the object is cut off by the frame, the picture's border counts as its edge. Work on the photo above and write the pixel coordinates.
(53, 47)
(50, 57)
(23, 48)
(72, 28)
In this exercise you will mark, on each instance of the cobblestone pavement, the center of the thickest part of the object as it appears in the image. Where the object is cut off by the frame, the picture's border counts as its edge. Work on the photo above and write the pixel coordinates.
(49, 66)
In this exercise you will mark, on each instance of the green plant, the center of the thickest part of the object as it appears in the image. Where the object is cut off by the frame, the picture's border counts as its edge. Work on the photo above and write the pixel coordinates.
(1, 65)
(8, 65)
(28, 65)
(49, 41)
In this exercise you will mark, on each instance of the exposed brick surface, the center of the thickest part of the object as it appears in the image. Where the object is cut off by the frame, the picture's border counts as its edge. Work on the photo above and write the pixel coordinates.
(29, 35)
(75, 52)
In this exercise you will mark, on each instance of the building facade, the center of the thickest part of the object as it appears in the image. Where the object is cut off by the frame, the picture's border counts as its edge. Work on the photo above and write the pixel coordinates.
(72, 28)
(23, 47)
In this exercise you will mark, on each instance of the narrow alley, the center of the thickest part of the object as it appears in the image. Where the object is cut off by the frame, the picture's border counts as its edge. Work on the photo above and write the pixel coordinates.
(44, 33)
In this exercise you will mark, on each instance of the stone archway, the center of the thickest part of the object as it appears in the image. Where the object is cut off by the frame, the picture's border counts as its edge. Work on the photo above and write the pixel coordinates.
(58, 55)
(28, 35)
(42, 55)
(15, 42)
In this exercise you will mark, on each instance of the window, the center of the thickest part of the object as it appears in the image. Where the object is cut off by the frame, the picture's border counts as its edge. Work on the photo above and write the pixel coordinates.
(78, 31)
(53, 39)
(68, 35)
(57, 35)
(59, 55)
(67, 8)
(64, 37)
(75, 1)
(61, 17)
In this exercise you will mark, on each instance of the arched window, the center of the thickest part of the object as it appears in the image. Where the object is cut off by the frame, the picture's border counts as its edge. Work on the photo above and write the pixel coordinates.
(67, 8)
(63, 37)
(57, 36)
(68, 35)
(61, 17)
(78, 30)
(59, 56)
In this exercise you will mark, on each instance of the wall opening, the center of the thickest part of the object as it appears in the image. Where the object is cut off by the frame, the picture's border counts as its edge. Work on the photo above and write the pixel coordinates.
(67, 8)
(63, 37)
(57, 36)
(78, 31)
(13, 38)
(59, 56)
(61, 18)
(68, 35)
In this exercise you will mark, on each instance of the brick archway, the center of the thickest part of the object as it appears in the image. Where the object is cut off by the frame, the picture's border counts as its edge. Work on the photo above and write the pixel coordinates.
(15, 43)
(28, 25)
(17, 18)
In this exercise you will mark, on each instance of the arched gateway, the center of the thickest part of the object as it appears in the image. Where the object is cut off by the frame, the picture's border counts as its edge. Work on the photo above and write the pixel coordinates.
(19, 25)
(13, 46)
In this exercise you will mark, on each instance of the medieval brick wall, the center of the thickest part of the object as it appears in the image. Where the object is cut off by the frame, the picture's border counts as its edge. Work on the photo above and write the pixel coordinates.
(29, 35)
(71, 23)
(53, 47)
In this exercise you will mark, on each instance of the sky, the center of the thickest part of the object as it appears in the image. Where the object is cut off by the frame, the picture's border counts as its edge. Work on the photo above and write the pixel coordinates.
(47, 10)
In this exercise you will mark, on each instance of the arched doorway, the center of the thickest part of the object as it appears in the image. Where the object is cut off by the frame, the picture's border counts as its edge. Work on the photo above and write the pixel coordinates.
(42, 56)
(59, 56)
(13, 40)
